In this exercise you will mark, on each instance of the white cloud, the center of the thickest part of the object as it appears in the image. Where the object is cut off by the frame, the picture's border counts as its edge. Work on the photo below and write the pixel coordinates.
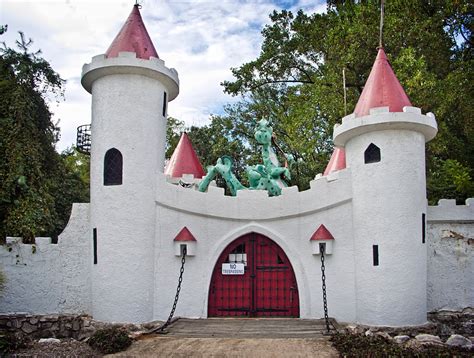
(201, 39)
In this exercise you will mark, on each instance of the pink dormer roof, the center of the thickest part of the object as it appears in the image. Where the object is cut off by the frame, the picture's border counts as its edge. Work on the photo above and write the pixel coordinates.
(184, 160)
(133, 37)
(185, 235)
(337, 161)
(382, 89)
(322, 234)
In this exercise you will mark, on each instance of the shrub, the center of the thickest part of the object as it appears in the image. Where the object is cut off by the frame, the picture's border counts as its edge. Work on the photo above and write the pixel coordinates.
(3, 281)
(110, 340)
(10, 342)
(360, 346)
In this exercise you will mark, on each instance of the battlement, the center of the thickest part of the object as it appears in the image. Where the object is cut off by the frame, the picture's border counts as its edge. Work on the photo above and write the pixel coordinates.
(447, 211)
(324, 193)
(380, 118)
(78, 223)
(128, 63)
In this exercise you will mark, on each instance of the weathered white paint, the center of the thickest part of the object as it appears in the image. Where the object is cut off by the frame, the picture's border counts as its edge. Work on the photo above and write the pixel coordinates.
(127, 103)
(50, 278)
(289, 220)
(450, 238)
(389, 198)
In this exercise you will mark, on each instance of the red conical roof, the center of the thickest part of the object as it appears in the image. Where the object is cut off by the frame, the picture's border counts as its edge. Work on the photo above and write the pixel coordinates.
(133, 37)
(382, 89)
(337, 161)
(185, 235)
(184, 160)
(322, 234)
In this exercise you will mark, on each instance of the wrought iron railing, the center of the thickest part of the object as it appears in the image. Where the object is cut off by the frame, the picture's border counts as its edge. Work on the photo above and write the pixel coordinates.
(83, 141)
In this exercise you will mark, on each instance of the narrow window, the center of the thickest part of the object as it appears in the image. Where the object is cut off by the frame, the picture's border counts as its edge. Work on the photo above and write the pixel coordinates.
(113, 166)
(182, 249)
(94, 239)
(372, 154)
(375, 253)
(423, 228)
(165, 103)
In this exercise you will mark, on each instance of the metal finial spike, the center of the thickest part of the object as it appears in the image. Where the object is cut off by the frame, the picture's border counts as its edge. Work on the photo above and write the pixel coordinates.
(345, 90)
(381, 23)
(137, 4)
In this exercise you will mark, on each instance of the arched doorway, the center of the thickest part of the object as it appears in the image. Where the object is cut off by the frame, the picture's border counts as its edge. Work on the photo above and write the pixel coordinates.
(253, 278)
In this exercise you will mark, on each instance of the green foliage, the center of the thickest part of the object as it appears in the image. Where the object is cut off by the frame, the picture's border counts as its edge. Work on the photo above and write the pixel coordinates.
(3, 281)
(37, 187)
(110, 340)
(358, 345)
(296, 81)
(11, 342)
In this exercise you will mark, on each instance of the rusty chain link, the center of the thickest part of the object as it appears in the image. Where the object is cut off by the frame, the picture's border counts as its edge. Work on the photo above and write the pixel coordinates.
(323, 279)
(178, 289)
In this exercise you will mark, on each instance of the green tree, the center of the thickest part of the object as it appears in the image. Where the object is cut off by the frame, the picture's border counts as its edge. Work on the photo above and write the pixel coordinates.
(296, 81)
(36, 185)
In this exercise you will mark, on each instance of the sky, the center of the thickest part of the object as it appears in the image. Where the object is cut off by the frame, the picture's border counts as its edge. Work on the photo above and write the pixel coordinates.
(202, 40)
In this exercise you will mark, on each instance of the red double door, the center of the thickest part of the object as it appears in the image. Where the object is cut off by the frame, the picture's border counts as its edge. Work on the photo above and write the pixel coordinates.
(265, 288)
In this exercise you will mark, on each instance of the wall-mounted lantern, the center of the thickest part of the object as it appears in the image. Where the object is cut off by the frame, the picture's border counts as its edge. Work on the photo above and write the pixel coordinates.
(185, 239)
(322, 237)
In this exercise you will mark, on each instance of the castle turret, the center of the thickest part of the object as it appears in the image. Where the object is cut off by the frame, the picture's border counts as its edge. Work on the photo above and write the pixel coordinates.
(130, 89)
(184, 160)
(384, 140)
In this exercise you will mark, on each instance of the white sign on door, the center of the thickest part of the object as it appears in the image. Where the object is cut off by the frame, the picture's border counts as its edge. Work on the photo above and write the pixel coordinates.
(233, 269)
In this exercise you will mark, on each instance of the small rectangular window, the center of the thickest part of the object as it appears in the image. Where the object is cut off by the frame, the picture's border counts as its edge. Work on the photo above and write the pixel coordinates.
(423, 228)
(375, 252)
(165, 103)
(94, 238)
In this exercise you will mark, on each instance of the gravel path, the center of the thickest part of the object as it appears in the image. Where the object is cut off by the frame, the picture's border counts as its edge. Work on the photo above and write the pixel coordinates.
(67, 348)
(229, 347)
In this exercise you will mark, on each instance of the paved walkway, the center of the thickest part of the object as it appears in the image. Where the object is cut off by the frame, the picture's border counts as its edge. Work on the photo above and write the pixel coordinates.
(237, 337)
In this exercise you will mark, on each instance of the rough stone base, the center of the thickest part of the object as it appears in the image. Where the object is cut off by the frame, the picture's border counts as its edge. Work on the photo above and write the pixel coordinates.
(452, 322)
(60, 326)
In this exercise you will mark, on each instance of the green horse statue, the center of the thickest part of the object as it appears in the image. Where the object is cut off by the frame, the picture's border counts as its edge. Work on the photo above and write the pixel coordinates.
(269, 176)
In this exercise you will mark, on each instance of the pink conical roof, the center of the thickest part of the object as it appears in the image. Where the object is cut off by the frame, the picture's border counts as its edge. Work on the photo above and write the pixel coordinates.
(382, 89)
(185, 235)
(322, 234)
(133, 37)
(184, 160)
(337, 161)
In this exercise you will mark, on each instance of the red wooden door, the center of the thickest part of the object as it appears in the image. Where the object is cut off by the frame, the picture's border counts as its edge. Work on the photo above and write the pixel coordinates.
(266, 289)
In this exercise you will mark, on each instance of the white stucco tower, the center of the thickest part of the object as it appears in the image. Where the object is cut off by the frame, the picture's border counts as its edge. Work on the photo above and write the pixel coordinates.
(130, 89)
(384, 141)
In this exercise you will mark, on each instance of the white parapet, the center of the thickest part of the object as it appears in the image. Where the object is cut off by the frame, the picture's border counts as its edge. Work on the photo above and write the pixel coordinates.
(127, 63)
(380, 119)
(448, 211)
(324, 192)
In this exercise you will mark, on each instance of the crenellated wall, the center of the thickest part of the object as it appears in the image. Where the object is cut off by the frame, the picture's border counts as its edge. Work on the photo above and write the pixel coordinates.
(50, 278)
(290, 220)
(450, 237)
(46, 278)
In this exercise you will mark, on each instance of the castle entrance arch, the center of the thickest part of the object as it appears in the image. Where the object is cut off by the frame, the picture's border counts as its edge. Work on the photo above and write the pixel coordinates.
(253, 278)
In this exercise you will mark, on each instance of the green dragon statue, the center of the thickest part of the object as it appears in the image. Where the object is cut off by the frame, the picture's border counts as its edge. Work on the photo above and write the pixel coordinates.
(269, 176)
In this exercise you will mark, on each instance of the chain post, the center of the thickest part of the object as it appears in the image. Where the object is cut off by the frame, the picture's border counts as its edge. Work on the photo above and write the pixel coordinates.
(323, 279)
(178, 289)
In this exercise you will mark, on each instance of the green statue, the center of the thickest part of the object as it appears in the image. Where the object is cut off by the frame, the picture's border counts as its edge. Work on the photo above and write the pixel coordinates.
(268, 176)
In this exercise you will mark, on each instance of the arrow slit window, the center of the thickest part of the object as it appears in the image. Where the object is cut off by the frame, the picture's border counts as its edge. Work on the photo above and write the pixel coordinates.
(113, 167)
(372, 154)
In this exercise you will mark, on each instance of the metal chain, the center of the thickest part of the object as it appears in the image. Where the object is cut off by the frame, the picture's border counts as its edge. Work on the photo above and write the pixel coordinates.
(323, 279)
(178, 289)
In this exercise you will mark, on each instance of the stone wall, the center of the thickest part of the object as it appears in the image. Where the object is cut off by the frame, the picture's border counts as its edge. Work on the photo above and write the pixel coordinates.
(450, 238)
(46, 278)
(57, 326)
